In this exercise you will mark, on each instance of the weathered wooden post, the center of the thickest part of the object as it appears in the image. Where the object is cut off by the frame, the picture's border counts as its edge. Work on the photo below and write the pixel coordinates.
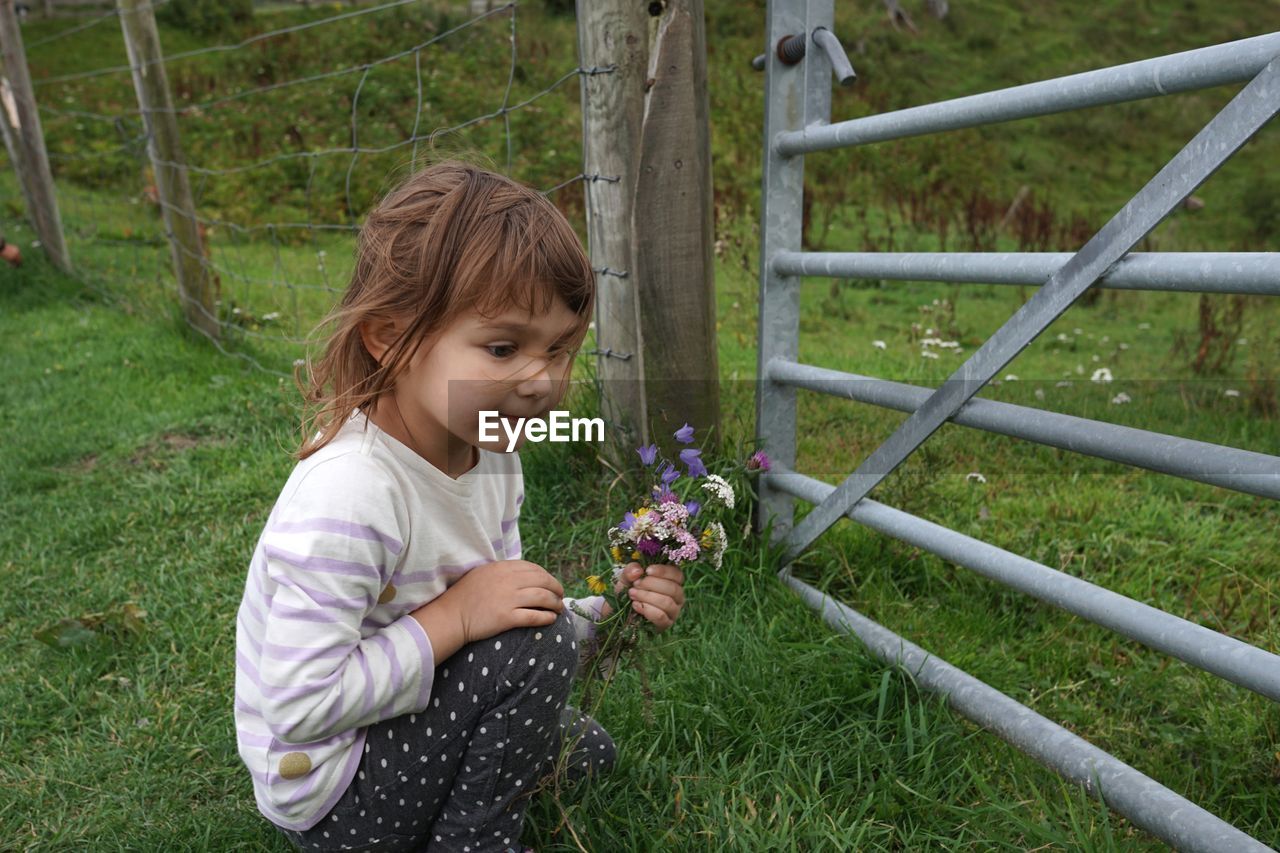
(196, 288)
(647, 161)
(25, 140)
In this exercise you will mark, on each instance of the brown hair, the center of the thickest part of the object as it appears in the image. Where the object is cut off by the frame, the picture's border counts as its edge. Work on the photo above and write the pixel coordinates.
(453, 237)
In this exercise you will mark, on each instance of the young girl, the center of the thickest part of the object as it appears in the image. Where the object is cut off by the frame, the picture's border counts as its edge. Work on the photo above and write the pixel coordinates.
(402, 674)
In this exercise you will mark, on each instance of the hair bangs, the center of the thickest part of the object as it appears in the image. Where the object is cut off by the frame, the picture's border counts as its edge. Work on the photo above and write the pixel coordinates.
(534, 259)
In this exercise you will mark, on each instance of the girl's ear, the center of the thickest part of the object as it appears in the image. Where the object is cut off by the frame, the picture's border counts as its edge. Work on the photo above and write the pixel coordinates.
(378, 336)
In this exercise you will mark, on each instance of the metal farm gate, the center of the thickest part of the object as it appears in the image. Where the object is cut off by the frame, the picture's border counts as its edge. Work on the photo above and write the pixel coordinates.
(802, 56)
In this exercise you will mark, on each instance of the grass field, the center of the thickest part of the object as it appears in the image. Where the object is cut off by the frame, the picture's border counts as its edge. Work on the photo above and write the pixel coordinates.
(141, 463)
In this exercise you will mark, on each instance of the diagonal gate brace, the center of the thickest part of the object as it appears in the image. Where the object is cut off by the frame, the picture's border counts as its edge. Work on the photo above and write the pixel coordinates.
(1239, 120)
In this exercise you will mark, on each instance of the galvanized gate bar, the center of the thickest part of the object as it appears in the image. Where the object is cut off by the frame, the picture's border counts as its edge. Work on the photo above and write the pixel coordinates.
(1239, 120)
(1215, 464)
(1232, 62)
(795, 96)
(1225, 657)
(1255, 273)
(1143, 800)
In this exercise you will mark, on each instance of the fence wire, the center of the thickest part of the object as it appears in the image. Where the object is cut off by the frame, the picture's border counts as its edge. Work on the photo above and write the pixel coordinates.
(279, 226)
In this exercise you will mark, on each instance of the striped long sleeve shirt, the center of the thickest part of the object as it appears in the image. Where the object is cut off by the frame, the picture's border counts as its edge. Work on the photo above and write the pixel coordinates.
(364, 532)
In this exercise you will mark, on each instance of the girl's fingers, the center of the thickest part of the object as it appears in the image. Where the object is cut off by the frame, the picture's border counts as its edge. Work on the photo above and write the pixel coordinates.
(673, 591)
(659, 618)
(669, 582)
(667, 572)
(659, 609)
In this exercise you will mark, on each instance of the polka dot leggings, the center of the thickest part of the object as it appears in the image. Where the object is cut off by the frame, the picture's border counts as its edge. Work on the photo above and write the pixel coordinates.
(457, 775)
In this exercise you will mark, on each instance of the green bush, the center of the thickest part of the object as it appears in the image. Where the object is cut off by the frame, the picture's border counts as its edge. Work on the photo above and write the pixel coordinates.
(206, 17)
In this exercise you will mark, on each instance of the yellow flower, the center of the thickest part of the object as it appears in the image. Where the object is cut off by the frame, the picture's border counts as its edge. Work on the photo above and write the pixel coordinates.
(635, 555)
(596, 585)
(644, 510)
(617, 554)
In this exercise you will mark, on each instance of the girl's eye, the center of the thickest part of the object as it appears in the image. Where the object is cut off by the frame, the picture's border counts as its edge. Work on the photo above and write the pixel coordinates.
(501, 350)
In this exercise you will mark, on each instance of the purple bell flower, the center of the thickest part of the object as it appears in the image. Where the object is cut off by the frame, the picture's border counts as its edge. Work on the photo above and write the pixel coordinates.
(648, 454)
(689, 456)
(684, 435)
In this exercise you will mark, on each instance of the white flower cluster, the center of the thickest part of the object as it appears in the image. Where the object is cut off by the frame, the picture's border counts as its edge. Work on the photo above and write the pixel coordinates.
(719, 488)
(716, 539)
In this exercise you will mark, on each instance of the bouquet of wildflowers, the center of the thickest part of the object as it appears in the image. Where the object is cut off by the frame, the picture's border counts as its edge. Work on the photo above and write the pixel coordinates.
(679, 522)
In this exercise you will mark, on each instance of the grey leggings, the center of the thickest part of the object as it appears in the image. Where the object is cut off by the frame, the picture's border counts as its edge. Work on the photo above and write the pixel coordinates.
(457, 775)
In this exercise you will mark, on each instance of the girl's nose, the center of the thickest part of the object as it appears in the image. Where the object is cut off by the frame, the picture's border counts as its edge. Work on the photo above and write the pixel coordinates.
(536, 379)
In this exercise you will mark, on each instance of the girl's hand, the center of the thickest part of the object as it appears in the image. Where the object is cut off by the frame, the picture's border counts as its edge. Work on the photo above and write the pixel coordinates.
(498, 596)
(657, 594)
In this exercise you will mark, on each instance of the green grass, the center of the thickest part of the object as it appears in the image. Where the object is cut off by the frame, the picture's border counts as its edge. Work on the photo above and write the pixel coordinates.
(141, 465)
(140, 468)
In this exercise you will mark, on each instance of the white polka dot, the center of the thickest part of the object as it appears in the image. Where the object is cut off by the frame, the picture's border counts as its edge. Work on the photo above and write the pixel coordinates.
(384, 762)
(406, 747)
(498, 644)
(471, 656)
(538, 635)
(557, 638)
(484, 670)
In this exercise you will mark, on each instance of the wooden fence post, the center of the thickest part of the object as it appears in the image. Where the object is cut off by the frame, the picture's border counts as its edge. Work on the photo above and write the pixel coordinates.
(25, 141)
(196, 288)
(647, 158)
(612, 34)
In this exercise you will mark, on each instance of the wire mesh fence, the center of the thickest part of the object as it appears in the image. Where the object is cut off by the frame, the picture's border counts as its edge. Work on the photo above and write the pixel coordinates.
(290, 133)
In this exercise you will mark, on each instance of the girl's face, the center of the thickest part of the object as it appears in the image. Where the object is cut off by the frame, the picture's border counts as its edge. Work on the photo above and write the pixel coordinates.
(515, 363)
